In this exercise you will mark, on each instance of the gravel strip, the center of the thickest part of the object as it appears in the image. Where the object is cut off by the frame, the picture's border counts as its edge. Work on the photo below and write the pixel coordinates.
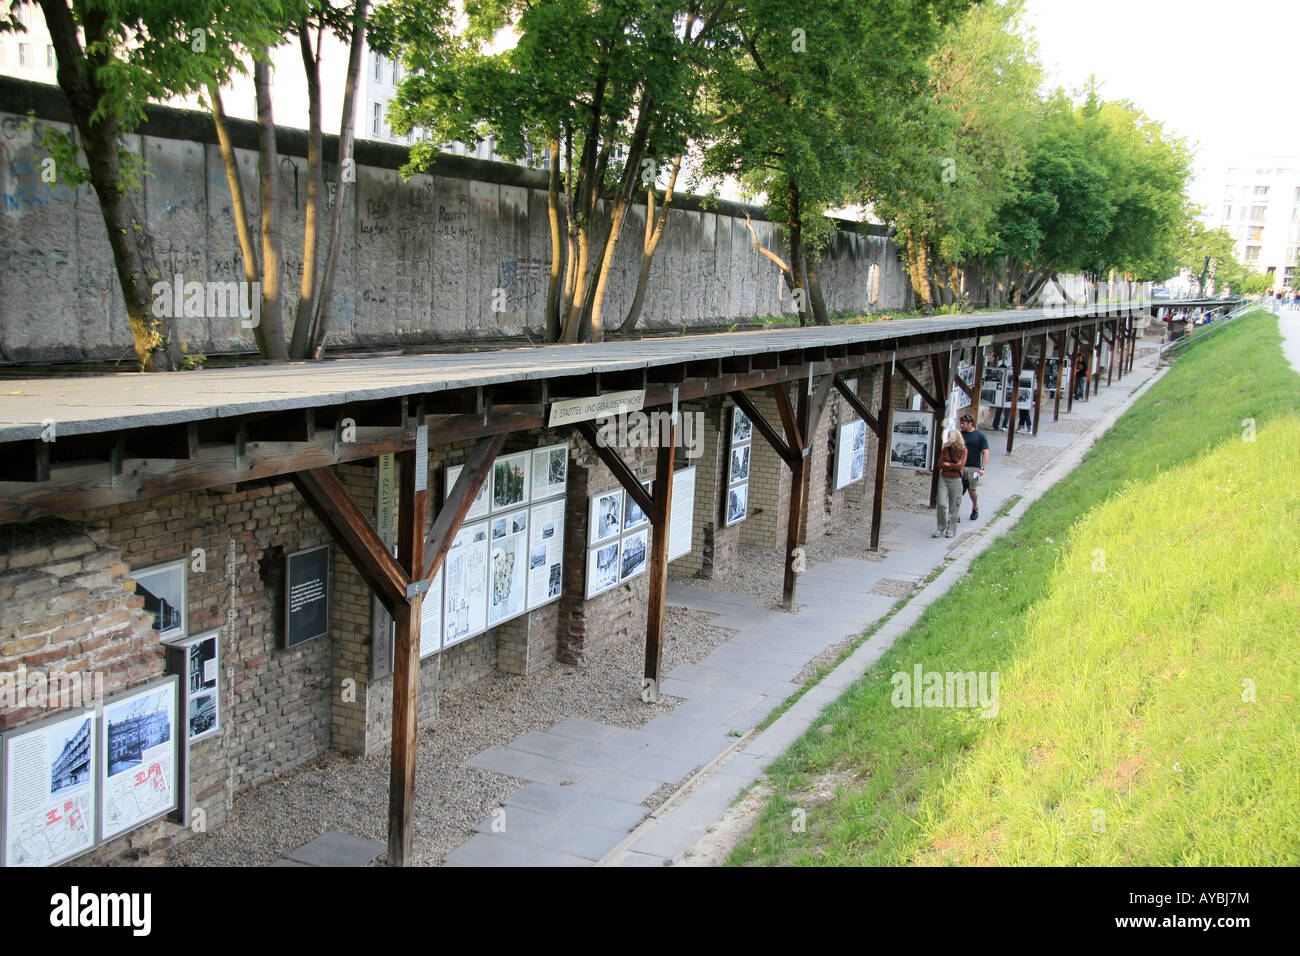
(348, 793)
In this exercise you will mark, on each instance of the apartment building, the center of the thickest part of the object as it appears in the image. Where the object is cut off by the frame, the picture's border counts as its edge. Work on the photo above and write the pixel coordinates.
(1261, 211)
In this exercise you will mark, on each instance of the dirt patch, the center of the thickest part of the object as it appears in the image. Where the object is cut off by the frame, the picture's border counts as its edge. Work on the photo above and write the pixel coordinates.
(894, 587)
(716, 845)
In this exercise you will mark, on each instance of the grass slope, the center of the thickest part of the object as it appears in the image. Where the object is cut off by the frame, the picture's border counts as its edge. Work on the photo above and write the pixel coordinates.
(1131, 616)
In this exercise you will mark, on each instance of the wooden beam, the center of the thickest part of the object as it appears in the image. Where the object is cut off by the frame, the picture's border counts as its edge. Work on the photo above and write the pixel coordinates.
(411, 508)
(857, 405)
(660, 512)
(666, 374)
(882, 453)
(798, 490)
(615, 463)
(1017, 365)
(765, 428)
(978, 387)
(943, 385)
(818, 405)
(352, 530)
(1060, 375)
(25, 461)
(1038, 382)
(921, 390)
(459, 500)
(789, 422)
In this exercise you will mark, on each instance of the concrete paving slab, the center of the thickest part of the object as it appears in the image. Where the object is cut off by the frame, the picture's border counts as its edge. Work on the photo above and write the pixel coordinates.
(547, 798)
(513, 763)
(588, 731)
(610, 814)
(518, 823)
(485, 849)
(583, 840)
(335, 848)
(667, 840)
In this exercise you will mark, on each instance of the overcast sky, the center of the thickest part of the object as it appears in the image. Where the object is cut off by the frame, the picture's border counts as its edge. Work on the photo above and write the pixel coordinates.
(1225, 74)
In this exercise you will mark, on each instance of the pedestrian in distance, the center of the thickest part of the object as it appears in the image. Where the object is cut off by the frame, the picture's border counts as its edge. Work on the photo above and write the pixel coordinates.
(977, 459)
(952, 458)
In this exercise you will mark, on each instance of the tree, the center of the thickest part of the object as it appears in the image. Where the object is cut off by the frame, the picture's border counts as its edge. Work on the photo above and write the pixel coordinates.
(812, 101)
(1210, 256)
(113, 57)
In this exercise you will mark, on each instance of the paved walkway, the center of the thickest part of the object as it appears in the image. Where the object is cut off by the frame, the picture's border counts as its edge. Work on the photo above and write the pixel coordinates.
(583, 804)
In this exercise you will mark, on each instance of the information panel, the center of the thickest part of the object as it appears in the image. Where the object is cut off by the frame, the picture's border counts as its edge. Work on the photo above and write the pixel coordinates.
(49, 780)
(306, 605)
(850, 453)
(138, 742)
(682, 520)
(545, 552)
(465, 582)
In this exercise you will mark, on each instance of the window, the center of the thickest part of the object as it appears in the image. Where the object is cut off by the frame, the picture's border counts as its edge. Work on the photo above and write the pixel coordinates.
(377, 120)
(1257, 213)
(1242, 217)
(24, 53)
(1227, 214)
(397, 72)
(1252, 253)
(1256, 234)
(1297, 194)
(49, 56)
(163, 590)
(379, 68)
(1293, 254)
(21, 14)
(1261, 192)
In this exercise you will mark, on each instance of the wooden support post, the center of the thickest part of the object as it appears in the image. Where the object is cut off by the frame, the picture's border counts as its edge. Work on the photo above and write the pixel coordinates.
(1038, 383)
(411, 508)
(1060, 374)
(882, 451)
(1017, 363)
(978, 386)
(1114, 342)
(1074, 368)
(1094, 361)
(660, 513)
(798, 483)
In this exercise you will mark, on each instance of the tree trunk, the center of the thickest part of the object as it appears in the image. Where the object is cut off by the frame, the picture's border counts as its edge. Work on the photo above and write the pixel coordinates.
(134, 254)
(346, 175)
(554, 288)
(243, 228)
(300, 343)
(919, 271)
(654, 231)
(272, 324)
(794, 225)
(820, 315)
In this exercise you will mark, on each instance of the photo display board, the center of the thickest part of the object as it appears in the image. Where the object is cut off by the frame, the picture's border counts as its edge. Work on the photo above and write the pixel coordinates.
(991, 390)
(740, 447)
(431, 617)
(49, 790)
(509, 568)
(197, 662)
(465, 582)
(910, 439)
(545, 552)
(163, 590)
(306, 602)
(620, 550)
(850, 453)
(138, 747)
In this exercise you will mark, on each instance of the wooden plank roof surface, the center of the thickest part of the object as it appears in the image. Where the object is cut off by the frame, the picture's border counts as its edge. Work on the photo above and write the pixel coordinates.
(101, 403)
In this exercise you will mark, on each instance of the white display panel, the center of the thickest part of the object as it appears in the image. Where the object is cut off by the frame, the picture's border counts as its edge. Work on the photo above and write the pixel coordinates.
(738, 503)
(545, 552)
(138, 746)
(602, 568)
(508, 566)
(635, 555)
(550, 471)
(50, 775)
(479, 509)
(910, 439)
(510, 481)
(465, 583)
(431, 617)
(605, 518)
(850, 453)
(682, 520)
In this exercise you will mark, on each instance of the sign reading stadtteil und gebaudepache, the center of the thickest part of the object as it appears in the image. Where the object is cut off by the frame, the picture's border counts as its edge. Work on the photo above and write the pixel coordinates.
(573, 410)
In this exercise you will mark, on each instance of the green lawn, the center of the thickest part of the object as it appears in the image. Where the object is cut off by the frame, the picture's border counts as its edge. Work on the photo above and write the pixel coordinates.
(1142, 619)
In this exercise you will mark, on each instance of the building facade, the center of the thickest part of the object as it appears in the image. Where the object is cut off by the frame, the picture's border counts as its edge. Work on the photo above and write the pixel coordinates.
(1261, 211)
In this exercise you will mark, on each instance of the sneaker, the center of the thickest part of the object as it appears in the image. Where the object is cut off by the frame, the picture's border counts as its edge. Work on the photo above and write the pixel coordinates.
(937, 534)
(975, 516)
(950, 535)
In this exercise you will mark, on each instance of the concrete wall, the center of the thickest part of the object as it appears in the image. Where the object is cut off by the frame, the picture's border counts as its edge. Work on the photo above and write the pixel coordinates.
(422, 262)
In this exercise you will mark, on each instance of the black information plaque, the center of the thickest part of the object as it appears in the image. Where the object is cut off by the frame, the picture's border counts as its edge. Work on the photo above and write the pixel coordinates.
(306, 598)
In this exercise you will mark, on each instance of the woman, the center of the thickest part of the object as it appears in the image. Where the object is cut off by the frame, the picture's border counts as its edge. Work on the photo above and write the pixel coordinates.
(952, 458)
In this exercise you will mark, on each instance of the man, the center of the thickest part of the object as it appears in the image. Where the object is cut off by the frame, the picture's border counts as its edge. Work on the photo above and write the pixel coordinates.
(977, 459)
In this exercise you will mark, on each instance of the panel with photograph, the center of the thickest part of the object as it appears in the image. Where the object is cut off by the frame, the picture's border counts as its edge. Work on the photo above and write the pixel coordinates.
(465, 582)
(550, 471)
(910, 439)
(50, 780)
(510, 481)
(605, 519)
(138, 741)
(480, 507)
(602, 568)
(742, 429)
(545, 552)
(509, 569)
(737, 503)
(739, 464)
(633, 516)
(635, 553)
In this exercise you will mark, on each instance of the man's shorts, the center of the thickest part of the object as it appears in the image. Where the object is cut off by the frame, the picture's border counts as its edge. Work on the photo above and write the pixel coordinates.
(970, 478)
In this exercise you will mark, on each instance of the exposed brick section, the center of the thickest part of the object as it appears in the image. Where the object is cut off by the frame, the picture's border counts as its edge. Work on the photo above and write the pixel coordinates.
(769, 483)
(68, 607)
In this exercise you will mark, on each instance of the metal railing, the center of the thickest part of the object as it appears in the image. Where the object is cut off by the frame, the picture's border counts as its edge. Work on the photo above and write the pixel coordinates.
(1236, 313)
